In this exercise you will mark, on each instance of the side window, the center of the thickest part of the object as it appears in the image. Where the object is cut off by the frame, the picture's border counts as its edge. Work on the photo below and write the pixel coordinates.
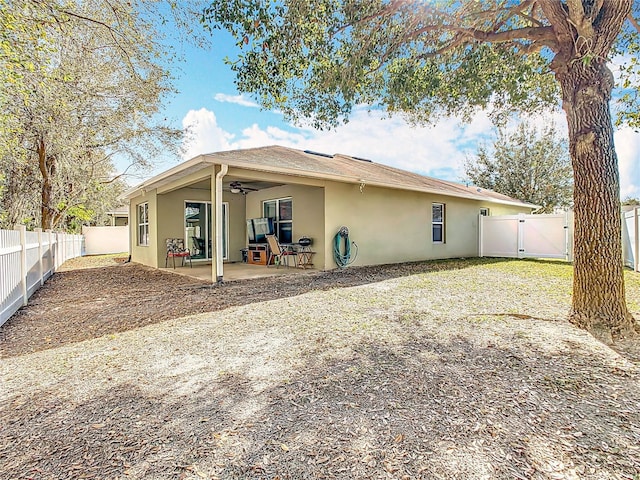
(143, 224)
(437, 222)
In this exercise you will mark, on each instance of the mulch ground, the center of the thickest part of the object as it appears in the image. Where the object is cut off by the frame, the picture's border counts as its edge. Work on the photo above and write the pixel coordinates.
(84, 303)
(461, 369)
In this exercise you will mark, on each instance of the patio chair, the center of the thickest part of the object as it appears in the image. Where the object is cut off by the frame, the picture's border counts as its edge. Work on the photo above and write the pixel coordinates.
(198, 246)
(175, 248)
(278, 252)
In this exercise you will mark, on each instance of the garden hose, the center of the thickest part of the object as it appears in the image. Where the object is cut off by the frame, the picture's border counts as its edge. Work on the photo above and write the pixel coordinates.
(343, 257)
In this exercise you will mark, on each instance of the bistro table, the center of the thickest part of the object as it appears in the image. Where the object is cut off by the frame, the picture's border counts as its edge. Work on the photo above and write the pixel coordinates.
(304, 254)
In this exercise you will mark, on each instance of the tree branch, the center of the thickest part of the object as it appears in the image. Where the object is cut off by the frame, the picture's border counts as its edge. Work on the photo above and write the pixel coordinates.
(633, 22)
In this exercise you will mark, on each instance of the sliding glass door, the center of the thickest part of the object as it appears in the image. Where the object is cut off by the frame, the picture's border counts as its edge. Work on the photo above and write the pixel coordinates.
(199, 236)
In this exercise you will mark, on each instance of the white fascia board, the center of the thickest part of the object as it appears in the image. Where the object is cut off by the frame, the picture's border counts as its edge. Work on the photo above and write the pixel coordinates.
(168, 176)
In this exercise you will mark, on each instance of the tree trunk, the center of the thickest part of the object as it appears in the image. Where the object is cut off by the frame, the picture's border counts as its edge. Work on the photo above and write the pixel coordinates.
(47, 170)
(598, 282)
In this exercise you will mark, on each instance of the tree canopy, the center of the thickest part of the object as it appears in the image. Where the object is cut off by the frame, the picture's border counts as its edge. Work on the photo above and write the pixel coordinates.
(529, 164)
(317, 59)
(82, 84)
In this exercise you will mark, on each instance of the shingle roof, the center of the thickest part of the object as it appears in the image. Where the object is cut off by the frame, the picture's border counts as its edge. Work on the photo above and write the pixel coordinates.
(352, 170)
(338, 167)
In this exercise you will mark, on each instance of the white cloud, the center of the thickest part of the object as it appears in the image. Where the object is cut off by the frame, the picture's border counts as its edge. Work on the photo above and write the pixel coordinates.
(205, 135)
(437, 150)
(237, 99)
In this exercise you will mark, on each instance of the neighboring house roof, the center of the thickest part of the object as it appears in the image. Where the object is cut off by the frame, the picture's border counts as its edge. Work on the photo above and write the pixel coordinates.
(338, 167)
(122, 211)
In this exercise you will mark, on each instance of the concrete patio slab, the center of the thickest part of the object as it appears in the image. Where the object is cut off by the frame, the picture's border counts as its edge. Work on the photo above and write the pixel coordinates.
(236, 271)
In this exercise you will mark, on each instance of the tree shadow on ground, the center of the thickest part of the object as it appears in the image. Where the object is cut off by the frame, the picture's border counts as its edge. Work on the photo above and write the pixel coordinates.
(79, 305)
(420, 409)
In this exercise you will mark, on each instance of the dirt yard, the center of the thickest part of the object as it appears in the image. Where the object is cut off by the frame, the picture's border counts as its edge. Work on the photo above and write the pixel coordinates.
(456, 369)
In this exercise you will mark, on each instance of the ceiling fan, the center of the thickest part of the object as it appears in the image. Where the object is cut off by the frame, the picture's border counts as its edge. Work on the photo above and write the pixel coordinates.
(236, 187)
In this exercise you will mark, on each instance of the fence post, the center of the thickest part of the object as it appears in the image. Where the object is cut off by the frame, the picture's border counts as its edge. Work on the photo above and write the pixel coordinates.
(40, 267)
(570, 223)
(58, 250)
(480, 242)
(23, 263)
(636, 240)
(521, 221)
(63, 243)
(51, 265)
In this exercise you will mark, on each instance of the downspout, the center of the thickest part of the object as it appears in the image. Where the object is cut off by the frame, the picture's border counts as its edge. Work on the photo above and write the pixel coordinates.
(219, 253)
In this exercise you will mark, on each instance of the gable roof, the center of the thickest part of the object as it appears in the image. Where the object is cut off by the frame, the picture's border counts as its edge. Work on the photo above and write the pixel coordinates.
(338, 167)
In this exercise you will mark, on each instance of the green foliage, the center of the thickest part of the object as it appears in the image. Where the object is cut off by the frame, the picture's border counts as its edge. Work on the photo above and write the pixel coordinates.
(318, 59)
(81, 84)
(626, 54)
(527, 164)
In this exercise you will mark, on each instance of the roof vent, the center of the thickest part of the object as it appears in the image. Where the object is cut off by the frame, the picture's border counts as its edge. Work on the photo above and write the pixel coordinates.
(311, 152)
(362, 159)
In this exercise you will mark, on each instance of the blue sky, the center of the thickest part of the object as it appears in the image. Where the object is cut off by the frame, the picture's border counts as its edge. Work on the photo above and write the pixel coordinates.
(222, 119)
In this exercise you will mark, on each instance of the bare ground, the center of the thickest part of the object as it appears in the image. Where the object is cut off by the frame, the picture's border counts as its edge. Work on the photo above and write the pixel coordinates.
(455, 369)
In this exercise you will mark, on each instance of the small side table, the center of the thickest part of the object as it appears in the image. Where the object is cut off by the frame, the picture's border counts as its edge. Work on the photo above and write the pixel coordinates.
(304, 257)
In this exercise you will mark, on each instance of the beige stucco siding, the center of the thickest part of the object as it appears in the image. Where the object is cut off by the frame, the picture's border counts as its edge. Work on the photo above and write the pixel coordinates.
(237, 225)
(145, 254)
(308, 213)
(171, 224)
(393, 226)
(389, 225)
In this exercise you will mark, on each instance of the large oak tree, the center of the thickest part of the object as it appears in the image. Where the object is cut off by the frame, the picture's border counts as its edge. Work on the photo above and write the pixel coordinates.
(319, 58)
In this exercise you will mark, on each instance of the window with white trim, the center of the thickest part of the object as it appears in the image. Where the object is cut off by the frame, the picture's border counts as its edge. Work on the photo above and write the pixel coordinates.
(484, 211)
(143, 224)
(281, 211)
(437, 222)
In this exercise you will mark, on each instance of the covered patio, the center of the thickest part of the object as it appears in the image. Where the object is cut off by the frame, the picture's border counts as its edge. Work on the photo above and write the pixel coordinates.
(236, 271)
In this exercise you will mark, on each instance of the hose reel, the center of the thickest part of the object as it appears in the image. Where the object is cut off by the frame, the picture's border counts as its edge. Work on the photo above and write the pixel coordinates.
(342, 253)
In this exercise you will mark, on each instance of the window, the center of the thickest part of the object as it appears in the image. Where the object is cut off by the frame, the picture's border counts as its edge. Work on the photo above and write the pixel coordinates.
(199, 229)
(437, 222)
(143, 224)
(484, 212)
(281, 210)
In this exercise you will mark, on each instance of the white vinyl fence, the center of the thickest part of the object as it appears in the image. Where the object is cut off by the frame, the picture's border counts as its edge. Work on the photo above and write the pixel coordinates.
(526, 236)
(105, 240)
(631, 238)
(27, 259)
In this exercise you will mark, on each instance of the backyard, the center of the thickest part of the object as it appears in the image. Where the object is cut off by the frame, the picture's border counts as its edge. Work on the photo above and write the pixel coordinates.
(450, 369)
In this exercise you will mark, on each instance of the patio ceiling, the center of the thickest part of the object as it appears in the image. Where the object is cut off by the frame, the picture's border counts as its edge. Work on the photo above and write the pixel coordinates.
(246, 183)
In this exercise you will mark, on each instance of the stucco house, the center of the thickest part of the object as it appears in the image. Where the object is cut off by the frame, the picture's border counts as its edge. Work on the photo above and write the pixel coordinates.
(393, 215)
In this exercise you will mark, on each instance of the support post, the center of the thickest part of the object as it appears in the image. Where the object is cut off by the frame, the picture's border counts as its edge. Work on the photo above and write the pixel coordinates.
(217, 264)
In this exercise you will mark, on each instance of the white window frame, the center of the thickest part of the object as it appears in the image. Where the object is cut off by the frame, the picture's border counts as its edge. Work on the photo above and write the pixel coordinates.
(277, 221)
(485, 212)
(142, 211)
(440, 222)
(225, 227)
